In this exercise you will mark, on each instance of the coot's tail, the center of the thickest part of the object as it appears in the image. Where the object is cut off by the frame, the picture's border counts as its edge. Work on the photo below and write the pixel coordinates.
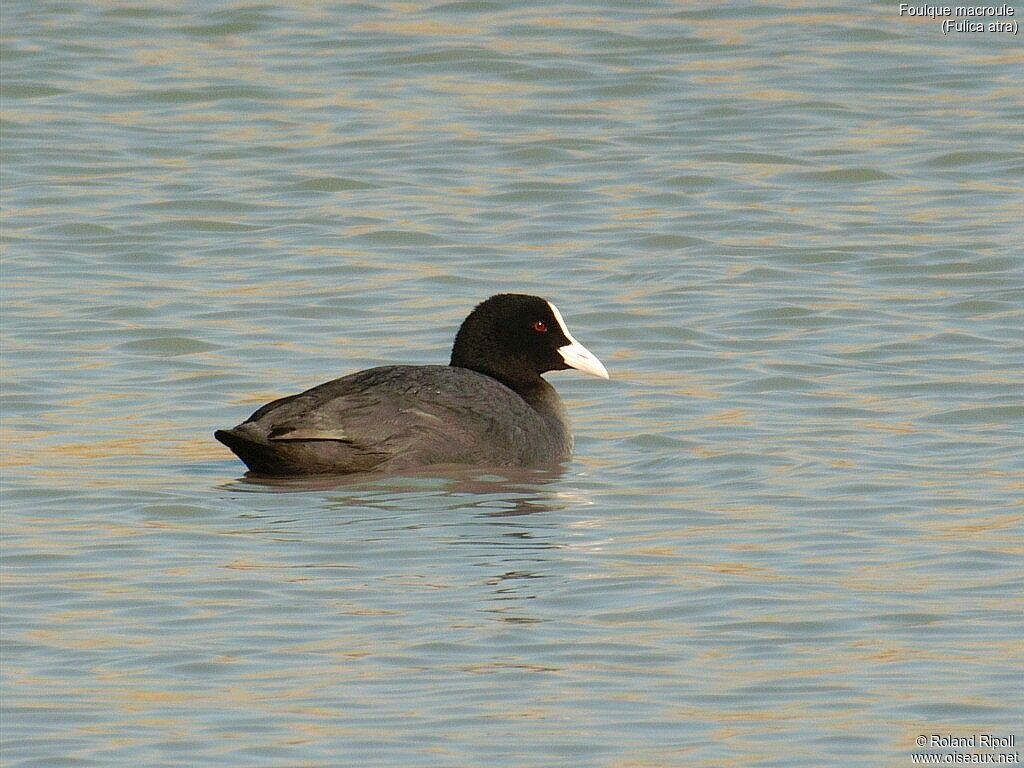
(258, 457)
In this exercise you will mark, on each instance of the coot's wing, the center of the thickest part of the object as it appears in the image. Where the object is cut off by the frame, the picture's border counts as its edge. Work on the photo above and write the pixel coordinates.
(359, 418)
(360, 407)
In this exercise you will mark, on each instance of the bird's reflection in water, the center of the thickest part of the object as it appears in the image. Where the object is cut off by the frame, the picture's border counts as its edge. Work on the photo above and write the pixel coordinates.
(493, 492)
(448, 479)
(488, 520)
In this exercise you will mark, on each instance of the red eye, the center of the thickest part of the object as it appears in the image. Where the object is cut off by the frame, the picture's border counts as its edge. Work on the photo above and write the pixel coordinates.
(540, 326)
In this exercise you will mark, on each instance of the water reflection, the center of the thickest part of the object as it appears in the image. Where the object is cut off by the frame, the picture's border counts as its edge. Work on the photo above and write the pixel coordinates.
(502, 534)
(452, 479)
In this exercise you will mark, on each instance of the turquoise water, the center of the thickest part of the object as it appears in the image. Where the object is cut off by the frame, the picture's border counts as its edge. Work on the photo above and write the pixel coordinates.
(791, 533)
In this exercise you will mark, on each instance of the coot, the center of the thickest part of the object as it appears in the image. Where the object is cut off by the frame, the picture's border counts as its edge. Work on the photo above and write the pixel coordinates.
(488, 406)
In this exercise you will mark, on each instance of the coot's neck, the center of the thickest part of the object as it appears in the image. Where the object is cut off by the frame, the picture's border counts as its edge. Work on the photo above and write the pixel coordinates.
(539, 395)
(543, 398)
(527, 384)
(535, 391)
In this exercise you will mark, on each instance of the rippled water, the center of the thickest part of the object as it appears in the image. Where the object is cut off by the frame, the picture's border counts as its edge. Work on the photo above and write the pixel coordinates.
(791, 534)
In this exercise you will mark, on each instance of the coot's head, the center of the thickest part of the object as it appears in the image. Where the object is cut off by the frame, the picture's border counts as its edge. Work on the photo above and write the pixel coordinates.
(515, 338)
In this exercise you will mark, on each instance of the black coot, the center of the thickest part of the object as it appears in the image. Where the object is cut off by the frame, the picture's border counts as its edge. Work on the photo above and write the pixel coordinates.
(488, 406)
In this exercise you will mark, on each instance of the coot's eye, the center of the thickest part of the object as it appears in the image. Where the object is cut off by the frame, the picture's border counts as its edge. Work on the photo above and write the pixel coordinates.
(540, 326)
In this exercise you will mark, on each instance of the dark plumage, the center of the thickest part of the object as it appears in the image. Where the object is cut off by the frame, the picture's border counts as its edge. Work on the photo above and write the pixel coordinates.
(488, 407)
